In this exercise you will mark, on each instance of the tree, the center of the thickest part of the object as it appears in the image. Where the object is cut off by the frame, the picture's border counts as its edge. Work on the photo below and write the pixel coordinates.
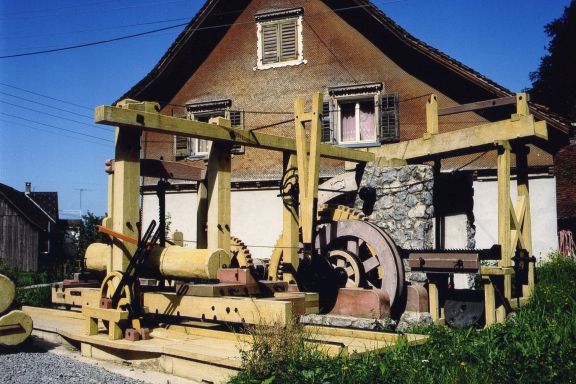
(554, 83)
(89, 233)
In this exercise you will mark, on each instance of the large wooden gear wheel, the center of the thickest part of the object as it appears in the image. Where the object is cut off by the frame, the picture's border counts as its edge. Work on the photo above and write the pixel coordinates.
(377, 256)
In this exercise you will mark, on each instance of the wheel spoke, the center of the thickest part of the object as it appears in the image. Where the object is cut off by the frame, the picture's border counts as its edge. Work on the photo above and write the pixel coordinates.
(370, 263)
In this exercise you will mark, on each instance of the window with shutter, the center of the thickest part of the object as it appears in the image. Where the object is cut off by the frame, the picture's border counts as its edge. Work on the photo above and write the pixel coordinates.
(280, 38)
(389, 121)
(204, 111)
(356, 114)
(327, 136)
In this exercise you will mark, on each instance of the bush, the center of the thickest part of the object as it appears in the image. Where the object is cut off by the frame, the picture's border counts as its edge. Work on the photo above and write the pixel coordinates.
(536, 345)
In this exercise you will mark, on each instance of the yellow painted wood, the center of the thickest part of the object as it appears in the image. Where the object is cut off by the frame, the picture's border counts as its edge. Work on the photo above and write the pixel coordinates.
(523, 192)
(76, 297)
(218, 197)
(105, 314)
(462, 141)
(189, 128)
(431, 116)
(15, 328)
(496, 271)
(489, 303)
(126, 183)
(7, 293)
(500, 314)
(229, 309)
(434, 301)
(178, 238)
(504, 212)
(202, 215)
(522, 108)
(174, 262)
(290, 230)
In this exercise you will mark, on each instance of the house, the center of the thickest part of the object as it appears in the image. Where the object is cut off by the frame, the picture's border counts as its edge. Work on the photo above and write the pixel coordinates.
(247, 61)
(28, 227)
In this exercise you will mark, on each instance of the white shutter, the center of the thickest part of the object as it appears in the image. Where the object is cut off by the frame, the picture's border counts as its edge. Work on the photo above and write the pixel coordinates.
(181, 146)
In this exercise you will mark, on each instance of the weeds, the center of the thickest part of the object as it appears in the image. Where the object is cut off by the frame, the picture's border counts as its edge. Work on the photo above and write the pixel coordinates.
(536, 345)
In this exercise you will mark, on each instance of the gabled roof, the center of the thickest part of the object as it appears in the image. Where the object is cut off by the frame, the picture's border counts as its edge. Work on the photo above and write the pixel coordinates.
(441, 71)
(30, 210)
(48, 201)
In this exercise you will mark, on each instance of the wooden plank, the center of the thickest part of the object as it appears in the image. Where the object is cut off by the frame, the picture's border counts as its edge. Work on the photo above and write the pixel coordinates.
(463, 141)
(290, 232)
(489, 303)
(523, 192)
(496, 271)
(434, 301)
(105, 314)
(170, 170)
(508, 100)
(202, 215)
(431, 116)
(218, 197)
(229, 309)
(117, 235)
(504, 213)
(155, 122)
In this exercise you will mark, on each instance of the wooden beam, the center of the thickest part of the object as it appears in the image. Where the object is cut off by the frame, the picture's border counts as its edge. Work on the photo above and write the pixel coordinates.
(218, 197)
(290, 233)
(504, 212)
(156, 122)
(463, 141)
(431, 116)
(524, 196)
(478, 105)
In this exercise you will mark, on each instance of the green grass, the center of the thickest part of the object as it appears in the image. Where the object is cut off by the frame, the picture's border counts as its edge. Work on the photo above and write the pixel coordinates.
(36, 297)
(536, 345)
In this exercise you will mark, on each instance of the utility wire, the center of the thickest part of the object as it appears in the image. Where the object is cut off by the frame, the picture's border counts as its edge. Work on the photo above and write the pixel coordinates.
(48, 97)
(106, 41)
(93, 43)
(53, 133)
(45, 105)
(55, 127)
(56, 116)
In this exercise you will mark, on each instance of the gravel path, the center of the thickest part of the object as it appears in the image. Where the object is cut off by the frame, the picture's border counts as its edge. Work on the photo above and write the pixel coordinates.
(41, 363)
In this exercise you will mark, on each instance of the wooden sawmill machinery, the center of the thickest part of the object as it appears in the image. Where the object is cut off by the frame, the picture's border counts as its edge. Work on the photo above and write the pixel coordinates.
(329, 258)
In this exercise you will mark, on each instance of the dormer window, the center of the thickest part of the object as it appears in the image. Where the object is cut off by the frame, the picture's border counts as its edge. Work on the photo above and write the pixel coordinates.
(279, 38)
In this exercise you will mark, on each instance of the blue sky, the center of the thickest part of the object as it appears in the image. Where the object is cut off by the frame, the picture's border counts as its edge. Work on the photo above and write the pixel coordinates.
(46, 101)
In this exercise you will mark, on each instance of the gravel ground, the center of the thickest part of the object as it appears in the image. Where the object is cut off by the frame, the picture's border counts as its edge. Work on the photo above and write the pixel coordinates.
(41, 363)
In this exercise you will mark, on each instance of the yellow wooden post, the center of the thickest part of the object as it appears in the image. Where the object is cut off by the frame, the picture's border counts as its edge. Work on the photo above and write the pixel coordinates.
(504, 209)
(201, 215)
(218, 174)
(290, 232)
(126, 185)
(431, 116)
(434, 301)
(489, 303)
(524, 198)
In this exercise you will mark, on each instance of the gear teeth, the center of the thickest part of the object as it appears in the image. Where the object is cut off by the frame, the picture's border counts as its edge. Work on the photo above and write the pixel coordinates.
(241, 253)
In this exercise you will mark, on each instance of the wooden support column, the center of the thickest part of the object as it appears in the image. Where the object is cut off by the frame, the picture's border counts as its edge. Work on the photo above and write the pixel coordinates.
(290, 233)
(431, 116)
(524, 215)
(504, 208)
(201, 215)
(126, 185)
(308, 166)
(218, 193)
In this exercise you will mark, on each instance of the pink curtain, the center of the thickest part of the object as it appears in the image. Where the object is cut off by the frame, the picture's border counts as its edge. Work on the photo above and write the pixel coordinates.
(367, 131)
(348, 126)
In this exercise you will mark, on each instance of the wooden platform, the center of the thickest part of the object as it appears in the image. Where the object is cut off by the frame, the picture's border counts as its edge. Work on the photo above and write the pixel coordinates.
(195, 352)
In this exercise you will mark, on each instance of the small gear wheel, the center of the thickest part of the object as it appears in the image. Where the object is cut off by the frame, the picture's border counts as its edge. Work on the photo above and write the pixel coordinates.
(240, 254)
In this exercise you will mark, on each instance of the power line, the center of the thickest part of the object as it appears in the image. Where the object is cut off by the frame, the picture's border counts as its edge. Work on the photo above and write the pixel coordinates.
(94, 42)
(48, 97)
(45, 105)
(56, 116)
(55, 127)
(54, 133)
(106, 41)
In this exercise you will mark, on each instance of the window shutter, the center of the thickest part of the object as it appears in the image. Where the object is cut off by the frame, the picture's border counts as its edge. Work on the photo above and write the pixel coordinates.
(181, 146)
(269, 43)
(288, 39)
(327, 123)
(237, 121)
(389, 121)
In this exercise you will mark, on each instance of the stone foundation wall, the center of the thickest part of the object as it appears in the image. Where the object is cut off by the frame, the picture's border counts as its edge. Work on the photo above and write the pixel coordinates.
(404, 204)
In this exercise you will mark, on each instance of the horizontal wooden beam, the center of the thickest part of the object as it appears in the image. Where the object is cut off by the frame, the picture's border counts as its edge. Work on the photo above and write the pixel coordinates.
(156, 122)
(477, 105)
(467, 140)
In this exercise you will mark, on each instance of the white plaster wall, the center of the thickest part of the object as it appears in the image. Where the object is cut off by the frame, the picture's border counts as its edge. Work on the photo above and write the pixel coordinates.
(456, 238)
(542, 207)
(256, 217)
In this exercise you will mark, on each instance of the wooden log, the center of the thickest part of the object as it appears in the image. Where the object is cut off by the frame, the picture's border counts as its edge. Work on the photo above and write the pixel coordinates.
(7, 293)
(15, 327)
